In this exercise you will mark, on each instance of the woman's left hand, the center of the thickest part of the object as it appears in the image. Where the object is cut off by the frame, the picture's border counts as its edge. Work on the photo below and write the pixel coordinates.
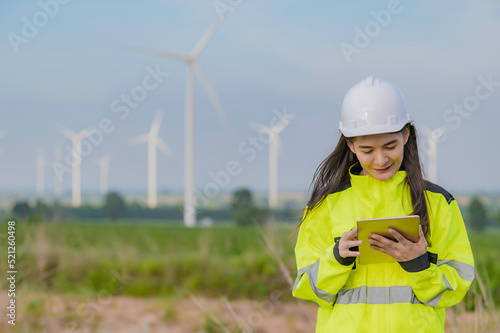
(403, 249)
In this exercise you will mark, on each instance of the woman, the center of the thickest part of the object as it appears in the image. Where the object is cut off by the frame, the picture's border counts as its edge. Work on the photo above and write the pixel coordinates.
(375, 172)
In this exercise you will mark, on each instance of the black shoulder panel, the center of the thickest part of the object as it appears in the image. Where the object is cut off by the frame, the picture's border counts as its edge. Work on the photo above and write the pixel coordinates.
(431, 187)
(341, 187)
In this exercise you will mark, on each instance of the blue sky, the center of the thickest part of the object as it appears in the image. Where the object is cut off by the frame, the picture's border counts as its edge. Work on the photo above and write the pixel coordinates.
(265, 55)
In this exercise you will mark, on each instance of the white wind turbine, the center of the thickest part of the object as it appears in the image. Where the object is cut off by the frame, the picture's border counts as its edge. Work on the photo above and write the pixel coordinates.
(192, 68)
(153, 142)
(433, 137)
(58, 157)
(3, 134)
(76, 139)
(103, 173)
(274, 147)
(40, 173)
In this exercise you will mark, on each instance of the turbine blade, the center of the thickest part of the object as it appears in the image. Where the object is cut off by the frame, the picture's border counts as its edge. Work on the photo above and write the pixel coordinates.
(425, 130)
(3, 134)
(86, 132)
(157, 53)
(204, 39)
(257, 126)
(140, 139)
(444, 129)
(163, 147)
(213, 97)
(66, 132)
(155, 127)
(280, 125)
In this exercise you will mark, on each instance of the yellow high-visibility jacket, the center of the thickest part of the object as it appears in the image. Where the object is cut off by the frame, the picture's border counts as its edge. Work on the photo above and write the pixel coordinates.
(385, 297)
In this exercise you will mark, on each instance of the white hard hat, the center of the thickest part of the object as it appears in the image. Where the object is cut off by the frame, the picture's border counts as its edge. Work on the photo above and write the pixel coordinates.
(373, 106)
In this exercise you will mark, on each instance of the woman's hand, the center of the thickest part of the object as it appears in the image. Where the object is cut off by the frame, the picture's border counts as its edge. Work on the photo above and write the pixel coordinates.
(349, 239)
(403, 249)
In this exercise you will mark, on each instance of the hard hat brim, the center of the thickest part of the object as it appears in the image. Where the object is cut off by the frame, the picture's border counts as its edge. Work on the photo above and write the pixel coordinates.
(372, 130)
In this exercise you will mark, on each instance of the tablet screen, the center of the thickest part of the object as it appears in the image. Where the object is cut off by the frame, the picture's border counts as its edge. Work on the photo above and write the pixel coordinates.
(408, 226)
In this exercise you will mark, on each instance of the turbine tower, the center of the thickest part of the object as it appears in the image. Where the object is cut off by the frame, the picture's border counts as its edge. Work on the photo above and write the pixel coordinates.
(58, 157)
(40, 174)
(274, 147)
(76, 178)
(103, 173)
(3, 134)
(433, 137)
(193, 67)
(153, 142)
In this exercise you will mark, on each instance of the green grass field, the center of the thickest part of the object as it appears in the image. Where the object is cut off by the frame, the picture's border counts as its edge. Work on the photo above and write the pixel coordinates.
(159, 259)
(149, 259)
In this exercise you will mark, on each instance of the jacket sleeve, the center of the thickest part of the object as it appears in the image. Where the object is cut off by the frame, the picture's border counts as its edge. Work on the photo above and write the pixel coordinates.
(320, 275)
(446, 280)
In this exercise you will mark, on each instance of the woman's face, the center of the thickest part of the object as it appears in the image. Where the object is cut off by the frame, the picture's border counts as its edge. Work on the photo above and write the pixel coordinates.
(380, 155)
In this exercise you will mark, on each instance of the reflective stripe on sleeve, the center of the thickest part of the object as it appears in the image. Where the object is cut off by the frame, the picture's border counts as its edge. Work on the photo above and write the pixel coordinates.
(312, 275)
(465, 271)
(434, 301)
(299, 275)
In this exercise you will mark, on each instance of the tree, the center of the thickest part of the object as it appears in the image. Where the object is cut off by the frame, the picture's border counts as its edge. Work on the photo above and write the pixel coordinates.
(114, 206)
(21, 210)
(244, 211)
(242, 207)
(477, 214)
(41, 211)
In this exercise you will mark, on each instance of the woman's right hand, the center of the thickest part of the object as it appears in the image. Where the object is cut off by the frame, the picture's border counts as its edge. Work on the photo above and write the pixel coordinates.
(349, 240)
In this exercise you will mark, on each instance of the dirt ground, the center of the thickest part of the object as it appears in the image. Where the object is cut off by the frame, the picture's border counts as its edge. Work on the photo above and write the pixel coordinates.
(72, 314)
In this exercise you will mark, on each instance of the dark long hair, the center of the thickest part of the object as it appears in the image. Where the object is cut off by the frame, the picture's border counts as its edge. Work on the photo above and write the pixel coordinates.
(333, 173)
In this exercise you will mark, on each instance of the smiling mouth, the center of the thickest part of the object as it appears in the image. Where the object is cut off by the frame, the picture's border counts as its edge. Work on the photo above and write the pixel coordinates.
(383, 170)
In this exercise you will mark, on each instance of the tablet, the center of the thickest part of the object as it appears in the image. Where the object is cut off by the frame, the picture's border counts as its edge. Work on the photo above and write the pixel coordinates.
(408, 226)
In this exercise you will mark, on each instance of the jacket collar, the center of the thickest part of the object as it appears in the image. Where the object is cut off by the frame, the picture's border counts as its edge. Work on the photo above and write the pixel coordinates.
(365, 182)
